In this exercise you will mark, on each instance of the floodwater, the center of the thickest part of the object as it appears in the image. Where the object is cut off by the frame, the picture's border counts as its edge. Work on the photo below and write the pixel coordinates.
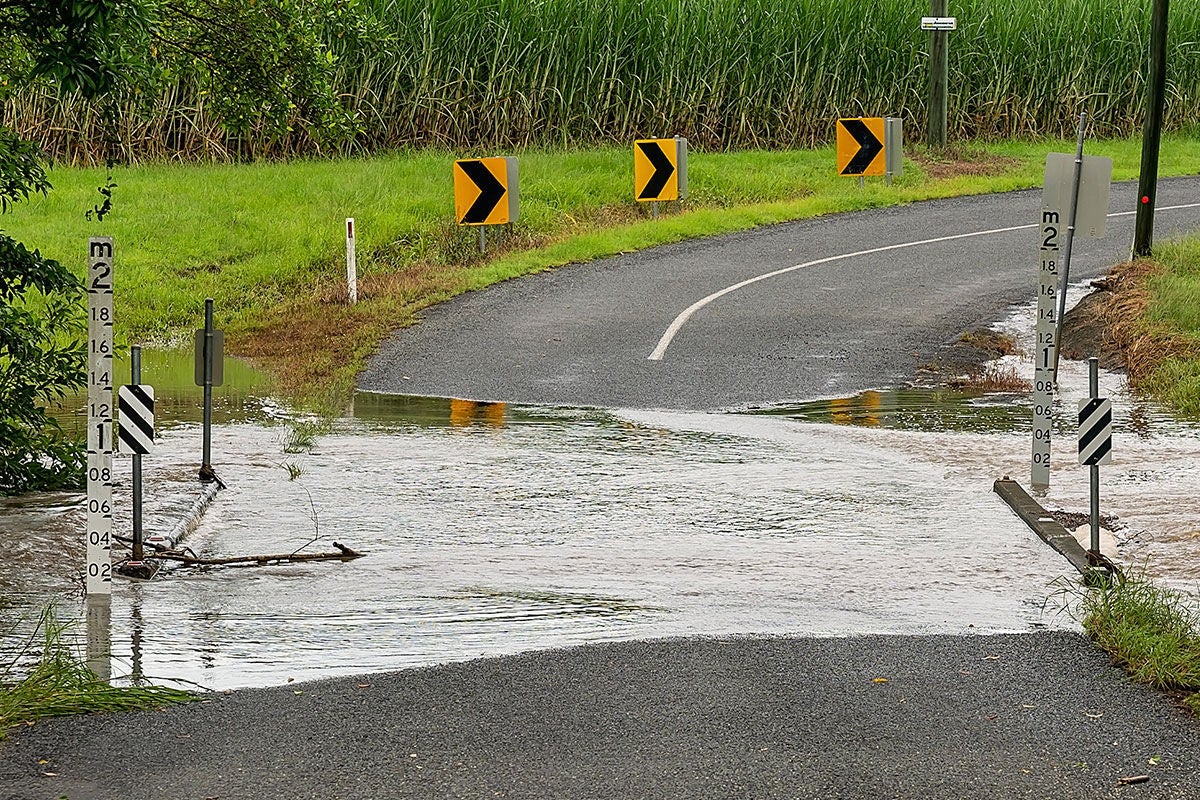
(493, 529)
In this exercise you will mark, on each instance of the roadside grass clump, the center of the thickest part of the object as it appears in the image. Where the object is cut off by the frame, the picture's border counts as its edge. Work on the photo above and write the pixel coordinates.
(1152, 631)
(302, 437)
(993, 379)
(60, 684)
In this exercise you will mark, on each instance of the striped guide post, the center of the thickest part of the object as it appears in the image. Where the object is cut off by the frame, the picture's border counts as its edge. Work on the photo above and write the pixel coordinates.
(98, 580)
(1095, 442)
(135, 404)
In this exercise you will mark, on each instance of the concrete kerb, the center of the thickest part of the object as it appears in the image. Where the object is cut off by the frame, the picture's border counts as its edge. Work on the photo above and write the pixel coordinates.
(1044, 525)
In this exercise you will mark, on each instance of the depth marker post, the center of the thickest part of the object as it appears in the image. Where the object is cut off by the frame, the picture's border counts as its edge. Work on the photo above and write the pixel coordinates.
(98, 569)
(1046, 355)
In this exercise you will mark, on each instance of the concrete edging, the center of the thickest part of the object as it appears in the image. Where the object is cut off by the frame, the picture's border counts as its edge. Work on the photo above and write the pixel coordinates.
(1041, 523)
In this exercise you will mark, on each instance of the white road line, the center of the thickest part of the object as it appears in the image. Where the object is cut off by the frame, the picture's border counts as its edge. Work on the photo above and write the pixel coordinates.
(687, 313)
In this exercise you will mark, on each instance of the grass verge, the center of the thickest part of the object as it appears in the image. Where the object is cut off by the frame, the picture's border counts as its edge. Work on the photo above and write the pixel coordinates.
(266, 240)
(60, 684)
(1153, 632)
(1149, 320)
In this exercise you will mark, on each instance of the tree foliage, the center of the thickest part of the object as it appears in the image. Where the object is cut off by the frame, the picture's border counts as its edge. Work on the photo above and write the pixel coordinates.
(42, 360)
(262, 63)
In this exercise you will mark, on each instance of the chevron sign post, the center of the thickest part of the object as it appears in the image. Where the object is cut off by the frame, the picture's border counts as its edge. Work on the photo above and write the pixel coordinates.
(486, 193)
(1095, 443)
(135, 404)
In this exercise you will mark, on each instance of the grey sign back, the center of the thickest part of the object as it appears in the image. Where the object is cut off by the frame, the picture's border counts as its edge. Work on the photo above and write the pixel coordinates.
(1095, 175)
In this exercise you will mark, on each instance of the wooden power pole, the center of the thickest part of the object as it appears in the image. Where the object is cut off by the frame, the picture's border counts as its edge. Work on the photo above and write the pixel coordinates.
(939, 77)
(1143, 229)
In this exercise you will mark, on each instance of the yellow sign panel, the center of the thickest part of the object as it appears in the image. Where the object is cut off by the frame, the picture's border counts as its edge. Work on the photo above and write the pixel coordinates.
(860, 146)
(659, 169)
(485, 191)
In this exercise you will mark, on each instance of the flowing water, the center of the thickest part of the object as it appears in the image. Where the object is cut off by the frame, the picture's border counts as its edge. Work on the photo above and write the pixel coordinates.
(493, 529)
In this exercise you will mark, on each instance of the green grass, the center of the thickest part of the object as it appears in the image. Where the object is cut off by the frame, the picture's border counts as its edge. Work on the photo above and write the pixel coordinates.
(60, 683)
(267, 240)
(1151, 631)
(1175, 308)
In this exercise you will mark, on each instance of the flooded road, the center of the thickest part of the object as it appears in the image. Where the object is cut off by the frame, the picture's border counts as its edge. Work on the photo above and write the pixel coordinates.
(494, 529)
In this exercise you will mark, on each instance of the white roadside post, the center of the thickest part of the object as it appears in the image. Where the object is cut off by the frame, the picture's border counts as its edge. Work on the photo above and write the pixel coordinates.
(351, 263)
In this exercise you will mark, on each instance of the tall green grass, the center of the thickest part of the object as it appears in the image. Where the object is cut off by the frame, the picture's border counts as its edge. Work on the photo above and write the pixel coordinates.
(728, 74)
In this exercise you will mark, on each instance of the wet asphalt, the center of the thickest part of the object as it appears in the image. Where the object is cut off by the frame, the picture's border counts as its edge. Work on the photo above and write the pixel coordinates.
(1032, 715)
(581, 336)
(1039, 715)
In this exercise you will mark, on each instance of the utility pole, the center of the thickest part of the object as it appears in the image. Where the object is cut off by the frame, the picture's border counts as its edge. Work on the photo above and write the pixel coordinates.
(939, 77)
(1143, 229)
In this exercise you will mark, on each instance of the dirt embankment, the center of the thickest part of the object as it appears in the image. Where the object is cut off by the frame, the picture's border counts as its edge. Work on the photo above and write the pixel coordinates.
(1109, 324)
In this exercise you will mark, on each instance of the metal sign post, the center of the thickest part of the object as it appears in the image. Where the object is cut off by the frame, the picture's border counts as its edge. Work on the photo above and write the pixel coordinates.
(209, 372)
(1072, 210)
(135, 377)
(135, 404)
(100, 417)
(1095, 443)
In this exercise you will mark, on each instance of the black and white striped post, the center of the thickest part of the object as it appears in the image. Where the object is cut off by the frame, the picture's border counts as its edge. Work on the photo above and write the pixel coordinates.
(135, 405)
(1095, 442)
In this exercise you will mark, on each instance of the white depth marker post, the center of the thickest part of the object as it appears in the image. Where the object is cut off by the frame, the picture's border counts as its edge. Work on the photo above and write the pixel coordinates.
(351, 263)
(1044, 354)
(100, 416)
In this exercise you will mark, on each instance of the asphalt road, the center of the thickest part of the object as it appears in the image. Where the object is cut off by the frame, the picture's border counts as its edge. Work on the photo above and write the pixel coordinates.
(582, 335)
(1017, 716)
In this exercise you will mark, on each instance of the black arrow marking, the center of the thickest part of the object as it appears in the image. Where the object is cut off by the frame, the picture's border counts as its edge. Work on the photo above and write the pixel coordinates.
(868, 146)
(490, 191)
(663, 170)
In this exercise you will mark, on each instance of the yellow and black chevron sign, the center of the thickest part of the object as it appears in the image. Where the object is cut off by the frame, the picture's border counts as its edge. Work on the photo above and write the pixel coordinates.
(659, 169)
(485, 191)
